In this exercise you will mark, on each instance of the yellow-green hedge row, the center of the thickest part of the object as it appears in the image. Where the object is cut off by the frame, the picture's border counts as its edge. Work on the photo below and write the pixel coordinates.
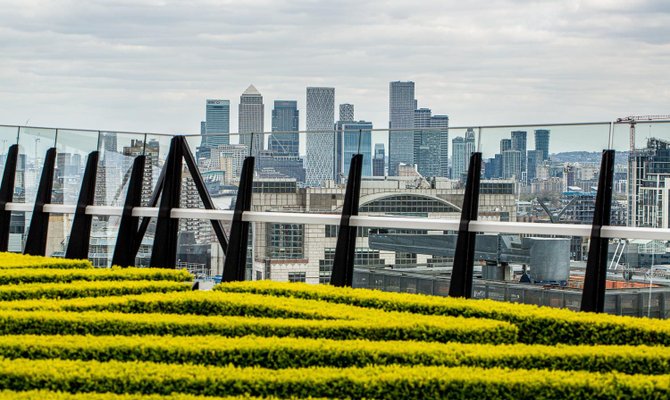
(385, 327)
(381, 382)
(50, 395)
(36, 275)
(539, 325)
(277, 353)
(13, 260)
(78, 289)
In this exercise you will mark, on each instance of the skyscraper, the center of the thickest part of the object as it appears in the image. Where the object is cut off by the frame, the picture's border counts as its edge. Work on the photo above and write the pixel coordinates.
(285, 118)
(519, 139)
(442, 122)
(542, 142)
(217, 122)
(511, 164)
(505, 144)
(378, 160)
(355, 138)
(426, 144)
(251, 119)
(346, 112)
(534, 159)
(401, 116)
(462, 148)
(320, 146)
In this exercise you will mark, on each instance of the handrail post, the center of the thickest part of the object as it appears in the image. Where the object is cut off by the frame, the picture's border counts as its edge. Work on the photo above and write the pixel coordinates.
(36, 242)
(80, 234)
(234, 266)
(7, 194)
(595, 278)
(462, 271)
(345, 251)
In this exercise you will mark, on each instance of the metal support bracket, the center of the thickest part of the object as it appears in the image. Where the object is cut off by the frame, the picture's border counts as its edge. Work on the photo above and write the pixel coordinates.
(128, 227)
(345, 252)
(36, 242)
(7, 194)
(236, 256)
(595, 279)
(80, 234)
(464, 257)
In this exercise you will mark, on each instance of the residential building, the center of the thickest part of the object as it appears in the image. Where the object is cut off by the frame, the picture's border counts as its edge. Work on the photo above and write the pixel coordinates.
(542, 142)
(462, 148)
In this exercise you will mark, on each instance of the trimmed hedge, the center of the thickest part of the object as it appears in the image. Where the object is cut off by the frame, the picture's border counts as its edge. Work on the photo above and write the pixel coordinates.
(385, 382)
(279, 353)
(13, 260)
(45, 394)
(537, 325)
(78, 289)
(387, 326)
(37, 275)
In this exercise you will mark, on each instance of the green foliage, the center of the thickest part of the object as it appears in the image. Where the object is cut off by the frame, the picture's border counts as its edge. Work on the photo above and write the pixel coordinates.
(537, 325)
(385, 382)
(46, 275)
(78, 289)
(13, 260)
(277, 353)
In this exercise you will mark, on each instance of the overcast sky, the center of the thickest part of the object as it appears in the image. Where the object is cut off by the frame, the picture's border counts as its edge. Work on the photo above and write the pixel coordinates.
(149, 65)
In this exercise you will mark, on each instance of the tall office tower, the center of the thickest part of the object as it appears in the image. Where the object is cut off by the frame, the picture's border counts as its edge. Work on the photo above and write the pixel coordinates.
(462, 148)
(426, 144)
(442, 122)
(401, 116)
(378, 160)
(534, 160)
(542, 142)
(354, 137)
(511, 164)
(320, 146)
(346, 112)
(108, 142)
(251, 114)
(519, 139)
(217, 122)
(505, 144)
(285, 118)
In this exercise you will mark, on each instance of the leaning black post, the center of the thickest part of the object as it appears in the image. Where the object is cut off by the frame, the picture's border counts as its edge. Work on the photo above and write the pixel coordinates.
(204, 194)
(7, 194)
(164, 251)
(123, 250)
(593, 294)
(80, 234)
(345, 252)
(236, 257)
(464, 257)
(36, 242)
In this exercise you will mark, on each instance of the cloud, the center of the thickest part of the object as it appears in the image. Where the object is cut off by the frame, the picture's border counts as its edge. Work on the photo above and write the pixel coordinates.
(149, 65)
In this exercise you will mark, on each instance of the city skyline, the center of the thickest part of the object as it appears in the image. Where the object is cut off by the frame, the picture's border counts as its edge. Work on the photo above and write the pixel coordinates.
(106, 66)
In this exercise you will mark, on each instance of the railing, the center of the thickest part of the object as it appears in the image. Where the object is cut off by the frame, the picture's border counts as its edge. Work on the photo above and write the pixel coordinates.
(517, 171)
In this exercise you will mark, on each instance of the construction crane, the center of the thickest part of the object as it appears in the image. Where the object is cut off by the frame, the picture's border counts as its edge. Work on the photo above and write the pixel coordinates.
(633, 119)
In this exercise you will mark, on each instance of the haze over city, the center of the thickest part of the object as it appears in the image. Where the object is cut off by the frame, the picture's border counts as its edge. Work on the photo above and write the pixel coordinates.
(150, 65)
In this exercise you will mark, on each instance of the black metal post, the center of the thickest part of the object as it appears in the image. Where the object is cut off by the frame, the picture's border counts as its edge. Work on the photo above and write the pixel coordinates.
(464, 257)
(345, 252)
(164, 251)
(80, 234)
(123, 250)
(7, 194)
(204, 194)
(593, 294)
(153, 201)
(36, 242)
(236, 257)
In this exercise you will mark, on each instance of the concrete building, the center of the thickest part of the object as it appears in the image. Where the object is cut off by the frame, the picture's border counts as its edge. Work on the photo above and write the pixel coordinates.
(649, 185)
(379, 160)
(251, 119)
(511, 164)
(285, 252)
(346, 112)
(320, 146)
